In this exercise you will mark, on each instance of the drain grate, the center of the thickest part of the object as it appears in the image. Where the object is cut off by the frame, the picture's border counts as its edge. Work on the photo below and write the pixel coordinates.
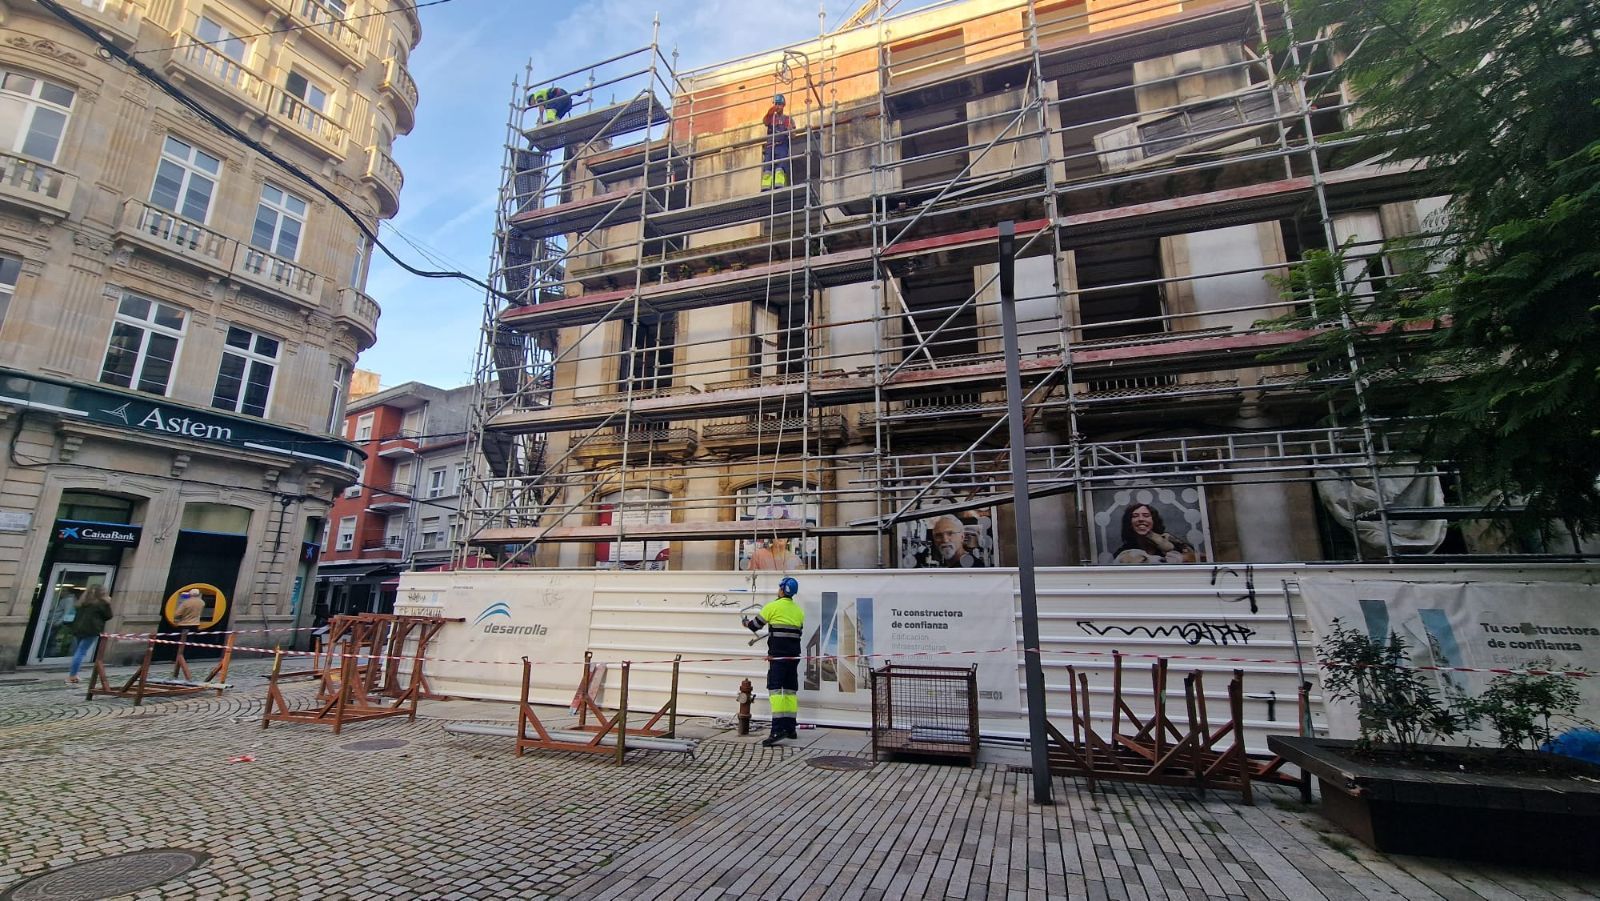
(374, 744)
(107, 876)
(840, 763)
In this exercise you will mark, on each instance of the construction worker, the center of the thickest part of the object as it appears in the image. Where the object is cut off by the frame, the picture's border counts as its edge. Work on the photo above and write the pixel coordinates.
(775, 151)
(552, 101)
(784, 621)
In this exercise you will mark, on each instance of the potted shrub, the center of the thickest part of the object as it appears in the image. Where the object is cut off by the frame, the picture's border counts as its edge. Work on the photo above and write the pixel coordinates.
(1400, 789)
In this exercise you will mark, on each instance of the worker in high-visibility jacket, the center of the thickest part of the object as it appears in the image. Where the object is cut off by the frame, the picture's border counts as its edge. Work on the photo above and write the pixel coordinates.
(552, 102)
(784, 622)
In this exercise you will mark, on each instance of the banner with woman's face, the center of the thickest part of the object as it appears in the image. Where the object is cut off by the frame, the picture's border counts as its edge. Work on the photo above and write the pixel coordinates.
(1150, 523)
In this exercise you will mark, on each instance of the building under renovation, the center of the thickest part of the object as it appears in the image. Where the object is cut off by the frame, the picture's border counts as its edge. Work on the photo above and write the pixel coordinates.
(711, 349)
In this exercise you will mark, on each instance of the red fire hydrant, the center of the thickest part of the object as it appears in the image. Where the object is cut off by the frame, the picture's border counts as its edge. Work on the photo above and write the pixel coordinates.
(745, 696)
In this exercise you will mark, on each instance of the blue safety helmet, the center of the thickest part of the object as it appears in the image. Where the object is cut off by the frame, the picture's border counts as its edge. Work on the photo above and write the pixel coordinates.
(778, 99)
(788, 587)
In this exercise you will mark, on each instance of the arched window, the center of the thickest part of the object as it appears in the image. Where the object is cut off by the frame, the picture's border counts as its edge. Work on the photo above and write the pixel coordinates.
(787, 500)
(632, 508)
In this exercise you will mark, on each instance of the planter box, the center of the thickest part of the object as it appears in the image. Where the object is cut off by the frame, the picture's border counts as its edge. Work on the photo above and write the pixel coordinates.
(1537, 820)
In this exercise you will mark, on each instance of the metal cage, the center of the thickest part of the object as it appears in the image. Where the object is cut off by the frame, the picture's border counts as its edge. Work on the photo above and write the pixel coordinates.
(926, 711)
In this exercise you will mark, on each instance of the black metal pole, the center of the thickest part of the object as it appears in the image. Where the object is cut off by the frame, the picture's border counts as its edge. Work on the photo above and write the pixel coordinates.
(1022, 509)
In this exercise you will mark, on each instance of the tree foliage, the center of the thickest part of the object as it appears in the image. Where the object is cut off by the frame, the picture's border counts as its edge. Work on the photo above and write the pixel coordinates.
(1499, 99)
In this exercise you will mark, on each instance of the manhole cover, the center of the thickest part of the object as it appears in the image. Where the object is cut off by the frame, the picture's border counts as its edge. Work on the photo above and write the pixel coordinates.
(374, 744)
(843, 764)
(107, 876)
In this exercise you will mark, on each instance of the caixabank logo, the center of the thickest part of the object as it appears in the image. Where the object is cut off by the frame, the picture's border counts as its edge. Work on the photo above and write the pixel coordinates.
(502, 610)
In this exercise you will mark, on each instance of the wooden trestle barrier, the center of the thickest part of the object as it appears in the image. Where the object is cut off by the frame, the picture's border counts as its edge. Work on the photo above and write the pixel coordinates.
(609, 735)
(587, 706)
(359, 670)
(1154, 749)
(140, 685)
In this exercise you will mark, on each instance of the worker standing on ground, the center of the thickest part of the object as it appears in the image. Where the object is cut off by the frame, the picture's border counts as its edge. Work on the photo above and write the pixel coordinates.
(553, 101)
(784, 621)
(775, 152)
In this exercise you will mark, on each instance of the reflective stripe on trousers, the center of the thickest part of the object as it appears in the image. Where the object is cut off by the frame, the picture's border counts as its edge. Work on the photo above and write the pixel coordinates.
(783, 702)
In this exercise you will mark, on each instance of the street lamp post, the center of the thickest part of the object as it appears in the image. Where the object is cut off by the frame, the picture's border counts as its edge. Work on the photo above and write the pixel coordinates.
(1022, 508)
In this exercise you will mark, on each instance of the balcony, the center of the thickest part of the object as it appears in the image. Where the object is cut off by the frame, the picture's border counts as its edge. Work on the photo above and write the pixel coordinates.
(768, 433)
(311, 126)
(156, 229)
(117, 19)
(278, 276)
(327, 24)
(398, 82)
(384, 175)
(359, 313)
(217, 74)
(399, 446)
(387, 549)
(36, 187)
(656, 442)
(392, 498)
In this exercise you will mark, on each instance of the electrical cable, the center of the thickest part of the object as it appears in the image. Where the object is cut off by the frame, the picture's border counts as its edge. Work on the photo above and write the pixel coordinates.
(111, 51)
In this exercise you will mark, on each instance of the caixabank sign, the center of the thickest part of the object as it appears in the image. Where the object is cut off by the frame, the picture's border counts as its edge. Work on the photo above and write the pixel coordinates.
(102, 534)
(140, 414)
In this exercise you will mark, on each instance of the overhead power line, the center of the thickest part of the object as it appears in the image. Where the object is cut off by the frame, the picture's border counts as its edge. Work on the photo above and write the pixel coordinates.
(110, 50)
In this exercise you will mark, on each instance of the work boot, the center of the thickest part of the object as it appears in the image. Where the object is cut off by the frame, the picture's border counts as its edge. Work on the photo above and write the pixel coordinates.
(766, 181)
(773, 739)
(780, 179)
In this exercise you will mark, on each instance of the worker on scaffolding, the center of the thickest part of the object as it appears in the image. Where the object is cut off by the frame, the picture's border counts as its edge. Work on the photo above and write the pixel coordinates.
(552, 102)
(775, 151)
(784, 622)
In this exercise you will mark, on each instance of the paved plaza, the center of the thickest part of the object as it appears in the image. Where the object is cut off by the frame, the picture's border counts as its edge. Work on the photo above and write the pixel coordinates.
(444, 816)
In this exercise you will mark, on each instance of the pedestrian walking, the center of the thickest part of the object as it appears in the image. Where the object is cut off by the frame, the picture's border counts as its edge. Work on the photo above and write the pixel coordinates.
(89, 619)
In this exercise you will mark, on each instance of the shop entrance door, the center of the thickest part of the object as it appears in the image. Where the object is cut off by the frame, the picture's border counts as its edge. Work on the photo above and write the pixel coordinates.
(52, 638)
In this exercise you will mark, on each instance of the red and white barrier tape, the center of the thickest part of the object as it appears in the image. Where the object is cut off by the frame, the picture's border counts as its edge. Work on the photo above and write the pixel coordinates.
(741, 658)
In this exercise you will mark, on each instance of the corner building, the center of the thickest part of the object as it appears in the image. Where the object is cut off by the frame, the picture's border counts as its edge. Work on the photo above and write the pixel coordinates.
(179, 316)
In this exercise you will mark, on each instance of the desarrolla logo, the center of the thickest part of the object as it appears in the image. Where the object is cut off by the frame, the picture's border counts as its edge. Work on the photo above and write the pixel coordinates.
(486, 618)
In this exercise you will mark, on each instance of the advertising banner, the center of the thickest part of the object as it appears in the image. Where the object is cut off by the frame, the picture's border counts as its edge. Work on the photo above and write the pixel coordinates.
(1476, 625)
(505, 618)
(856, 623)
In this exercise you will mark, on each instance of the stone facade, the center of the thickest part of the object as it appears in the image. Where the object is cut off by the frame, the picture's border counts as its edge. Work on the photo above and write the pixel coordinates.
(179, 314)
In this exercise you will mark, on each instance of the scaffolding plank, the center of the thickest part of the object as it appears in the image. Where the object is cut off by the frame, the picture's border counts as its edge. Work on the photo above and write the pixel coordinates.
(578, 216)
(743, 209)
(642, 111)
(659, 531)
(1190, 29)
(1280, 199)
(972, 81)
(822, 391)
(779, 281)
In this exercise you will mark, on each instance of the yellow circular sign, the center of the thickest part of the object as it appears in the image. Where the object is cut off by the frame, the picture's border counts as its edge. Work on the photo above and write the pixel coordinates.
(186, 608)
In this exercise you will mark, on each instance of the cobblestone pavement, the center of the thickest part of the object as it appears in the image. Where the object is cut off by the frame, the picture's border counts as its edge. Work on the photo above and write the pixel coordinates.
(459, 817)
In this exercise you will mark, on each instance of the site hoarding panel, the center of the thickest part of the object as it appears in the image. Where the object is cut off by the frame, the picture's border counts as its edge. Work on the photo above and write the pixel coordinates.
(1210, 618)
(1456, 625)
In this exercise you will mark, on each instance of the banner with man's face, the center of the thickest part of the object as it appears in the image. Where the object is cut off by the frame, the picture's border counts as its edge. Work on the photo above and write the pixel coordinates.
(965, 540)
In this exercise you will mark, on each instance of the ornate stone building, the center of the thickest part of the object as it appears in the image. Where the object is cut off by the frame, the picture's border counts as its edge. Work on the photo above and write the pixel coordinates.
(180, 315)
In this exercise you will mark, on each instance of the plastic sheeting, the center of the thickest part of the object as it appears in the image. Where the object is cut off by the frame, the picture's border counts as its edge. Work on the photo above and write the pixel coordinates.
(1353, 502)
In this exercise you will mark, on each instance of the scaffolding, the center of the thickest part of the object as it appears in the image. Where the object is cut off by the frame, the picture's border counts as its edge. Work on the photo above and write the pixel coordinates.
(683, 366)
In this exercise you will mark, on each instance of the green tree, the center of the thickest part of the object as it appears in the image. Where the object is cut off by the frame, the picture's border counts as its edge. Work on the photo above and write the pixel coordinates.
(1499, 99)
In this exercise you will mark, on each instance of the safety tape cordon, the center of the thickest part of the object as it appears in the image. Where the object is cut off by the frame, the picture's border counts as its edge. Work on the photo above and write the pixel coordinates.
(742, 658)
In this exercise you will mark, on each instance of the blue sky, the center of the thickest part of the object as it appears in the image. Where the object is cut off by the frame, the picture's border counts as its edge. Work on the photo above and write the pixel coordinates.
(471, 51)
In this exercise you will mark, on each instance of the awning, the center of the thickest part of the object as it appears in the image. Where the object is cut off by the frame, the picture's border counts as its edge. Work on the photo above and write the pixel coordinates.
(340, 574)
